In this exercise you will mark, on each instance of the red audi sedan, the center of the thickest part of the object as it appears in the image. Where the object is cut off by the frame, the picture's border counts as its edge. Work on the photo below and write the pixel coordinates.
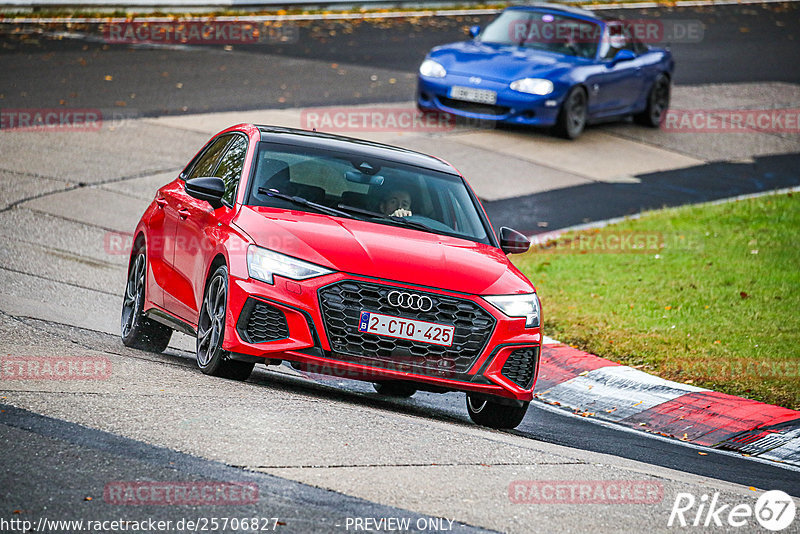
(340, 256)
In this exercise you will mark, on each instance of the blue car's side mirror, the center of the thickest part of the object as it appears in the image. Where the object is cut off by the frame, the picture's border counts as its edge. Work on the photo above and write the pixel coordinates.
(623, 55)
(474, 31)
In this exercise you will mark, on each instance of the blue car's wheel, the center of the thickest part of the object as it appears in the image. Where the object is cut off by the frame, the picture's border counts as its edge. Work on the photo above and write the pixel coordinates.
(572, 117)
(657, 103)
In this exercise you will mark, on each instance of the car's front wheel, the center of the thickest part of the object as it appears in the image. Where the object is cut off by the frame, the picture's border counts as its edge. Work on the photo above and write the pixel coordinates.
(138, 331)
(211, 358)
(485, 412)
(572, 117)
(657, 103)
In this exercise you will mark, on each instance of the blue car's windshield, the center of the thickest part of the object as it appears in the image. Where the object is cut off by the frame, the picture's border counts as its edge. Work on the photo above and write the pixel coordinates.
(544, 31)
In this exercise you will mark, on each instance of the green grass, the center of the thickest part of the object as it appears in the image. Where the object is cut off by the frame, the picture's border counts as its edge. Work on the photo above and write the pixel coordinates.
(715, 303)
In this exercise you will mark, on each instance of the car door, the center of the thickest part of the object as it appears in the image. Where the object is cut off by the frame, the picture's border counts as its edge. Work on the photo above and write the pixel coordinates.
(178, 205)
(199, 227)
(616, 85)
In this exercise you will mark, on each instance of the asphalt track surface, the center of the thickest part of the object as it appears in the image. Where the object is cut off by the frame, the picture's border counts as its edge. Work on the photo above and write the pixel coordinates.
(749, 43)
(742, 44)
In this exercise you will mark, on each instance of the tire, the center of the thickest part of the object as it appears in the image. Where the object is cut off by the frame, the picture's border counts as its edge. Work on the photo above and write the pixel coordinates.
(138, 331)
(211, 358)
(657, 103)
(394, 389)
(572, 117)
(493, 414)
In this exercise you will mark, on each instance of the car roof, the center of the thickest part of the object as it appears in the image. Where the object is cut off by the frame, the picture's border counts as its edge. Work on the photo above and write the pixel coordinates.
(350, 145)
(569, 10)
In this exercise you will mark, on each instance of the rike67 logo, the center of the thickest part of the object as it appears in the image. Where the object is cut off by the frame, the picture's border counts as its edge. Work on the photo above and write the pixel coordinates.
(774, 510)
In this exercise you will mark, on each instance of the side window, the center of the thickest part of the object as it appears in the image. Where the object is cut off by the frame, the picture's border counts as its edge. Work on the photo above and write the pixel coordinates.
(615, 40)
(208, 161)
(230, 167)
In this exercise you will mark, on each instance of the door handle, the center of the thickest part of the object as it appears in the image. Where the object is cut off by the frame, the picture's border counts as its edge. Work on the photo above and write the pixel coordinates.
(161, 202)
(184, 214)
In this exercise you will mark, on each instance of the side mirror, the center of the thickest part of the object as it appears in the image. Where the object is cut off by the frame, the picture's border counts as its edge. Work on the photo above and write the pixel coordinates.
(623, 55)
(474, 31)
(208, 188)
(513, 242)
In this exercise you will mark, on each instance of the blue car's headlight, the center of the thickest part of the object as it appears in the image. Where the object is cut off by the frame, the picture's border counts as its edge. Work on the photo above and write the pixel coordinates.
(262, 264)
(432, 69)
(533, 86)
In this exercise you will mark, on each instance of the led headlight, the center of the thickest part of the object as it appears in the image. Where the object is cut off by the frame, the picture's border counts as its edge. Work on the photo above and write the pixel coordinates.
(432, 69)
(518, 306)
(534, 86)
(262, 264)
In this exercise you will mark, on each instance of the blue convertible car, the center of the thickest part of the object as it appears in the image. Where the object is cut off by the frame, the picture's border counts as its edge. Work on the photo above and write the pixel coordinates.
(549, 65)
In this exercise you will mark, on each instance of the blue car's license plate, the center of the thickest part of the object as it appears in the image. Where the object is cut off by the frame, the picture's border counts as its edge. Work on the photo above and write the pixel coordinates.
(470, 94)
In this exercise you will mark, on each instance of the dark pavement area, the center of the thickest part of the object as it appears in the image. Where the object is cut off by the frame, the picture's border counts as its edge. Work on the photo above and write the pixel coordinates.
(581, 204)
(79, 462)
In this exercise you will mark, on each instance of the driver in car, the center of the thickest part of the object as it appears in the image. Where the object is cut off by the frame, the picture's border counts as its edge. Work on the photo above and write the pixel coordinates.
(396, 203)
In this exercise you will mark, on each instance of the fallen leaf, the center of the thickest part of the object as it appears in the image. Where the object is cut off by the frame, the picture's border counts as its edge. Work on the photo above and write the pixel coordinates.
(109, 77)
(638, 403)
(743, 294)
(583, 373)
(702, 453)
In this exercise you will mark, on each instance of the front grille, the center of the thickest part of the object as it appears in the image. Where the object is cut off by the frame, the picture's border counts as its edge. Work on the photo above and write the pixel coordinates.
(474, 107)
(520, 366)
(260, 322)
(343, 302)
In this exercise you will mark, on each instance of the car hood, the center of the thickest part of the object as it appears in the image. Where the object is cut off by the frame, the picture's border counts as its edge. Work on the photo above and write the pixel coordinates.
(384, 251)
(503, 63)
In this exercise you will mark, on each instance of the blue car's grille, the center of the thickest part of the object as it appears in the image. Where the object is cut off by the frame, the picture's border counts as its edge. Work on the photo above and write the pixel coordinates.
(473, 107)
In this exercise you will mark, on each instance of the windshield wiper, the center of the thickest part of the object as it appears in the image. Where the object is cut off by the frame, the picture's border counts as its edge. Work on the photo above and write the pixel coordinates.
(300, 201)
(391, 218)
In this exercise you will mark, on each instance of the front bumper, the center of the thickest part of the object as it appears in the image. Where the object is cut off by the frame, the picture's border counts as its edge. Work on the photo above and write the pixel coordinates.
(511, 107)
(312, 323)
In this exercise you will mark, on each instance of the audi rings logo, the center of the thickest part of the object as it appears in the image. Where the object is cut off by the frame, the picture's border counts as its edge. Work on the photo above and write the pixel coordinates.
(409, 301)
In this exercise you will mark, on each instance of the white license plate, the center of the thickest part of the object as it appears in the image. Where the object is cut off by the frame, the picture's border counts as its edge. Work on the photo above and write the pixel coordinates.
(397, 327)
(481, 96)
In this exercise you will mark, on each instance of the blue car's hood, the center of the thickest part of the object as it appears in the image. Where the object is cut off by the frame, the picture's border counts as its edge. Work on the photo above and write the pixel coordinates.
(503, 63)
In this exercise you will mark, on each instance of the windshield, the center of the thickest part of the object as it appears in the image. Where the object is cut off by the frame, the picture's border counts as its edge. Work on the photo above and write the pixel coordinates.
(544, 31)
(374, 190)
